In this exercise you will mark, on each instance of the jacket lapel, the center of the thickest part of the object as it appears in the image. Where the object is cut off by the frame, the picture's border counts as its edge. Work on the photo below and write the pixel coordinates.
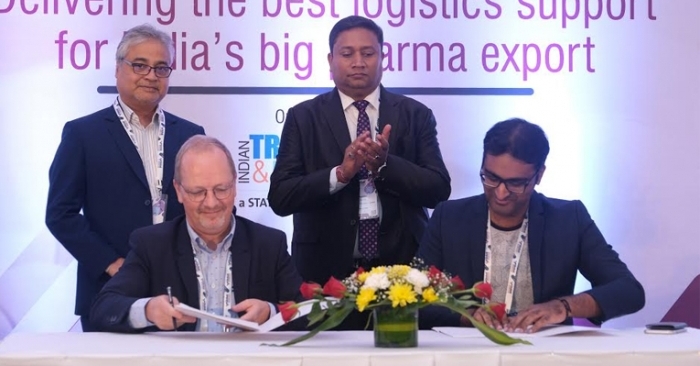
(127, 147)
(240, 251)
(535, 241)
(184, 260)
(170, 149)
(477, 242)
(334, 116)
(388, 115)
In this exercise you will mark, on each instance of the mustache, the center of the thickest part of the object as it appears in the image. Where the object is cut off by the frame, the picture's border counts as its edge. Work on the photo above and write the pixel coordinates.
(212, 209)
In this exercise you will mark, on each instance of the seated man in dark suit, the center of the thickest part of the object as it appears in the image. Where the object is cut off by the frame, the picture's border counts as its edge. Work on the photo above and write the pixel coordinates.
(529, 247)
(210, 258)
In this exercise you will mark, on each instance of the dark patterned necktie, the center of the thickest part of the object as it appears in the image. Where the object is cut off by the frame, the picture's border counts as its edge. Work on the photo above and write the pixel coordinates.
(369, 229)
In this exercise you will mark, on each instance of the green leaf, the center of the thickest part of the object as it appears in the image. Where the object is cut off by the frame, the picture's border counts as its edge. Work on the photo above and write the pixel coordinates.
(493, 335)
(316, 314)
(331, 322)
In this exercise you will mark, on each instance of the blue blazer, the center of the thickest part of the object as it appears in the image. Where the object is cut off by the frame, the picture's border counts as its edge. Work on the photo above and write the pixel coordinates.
(97, 170)
(562, 239)
(162, 256)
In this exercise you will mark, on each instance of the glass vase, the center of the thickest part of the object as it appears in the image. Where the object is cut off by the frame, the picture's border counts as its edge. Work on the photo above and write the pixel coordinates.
(395, 327)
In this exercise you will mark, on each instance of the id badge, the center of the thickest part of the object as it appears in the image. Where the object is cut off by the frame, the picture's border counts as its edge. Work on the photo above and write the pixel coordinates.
(159, 208)
(369, 208)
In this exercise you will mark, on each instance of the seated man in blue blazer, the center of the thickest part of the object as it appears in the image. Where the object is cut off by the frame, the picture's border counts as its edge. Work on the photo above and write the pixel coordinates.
(209, 259)
(529, 247)
(113, 168)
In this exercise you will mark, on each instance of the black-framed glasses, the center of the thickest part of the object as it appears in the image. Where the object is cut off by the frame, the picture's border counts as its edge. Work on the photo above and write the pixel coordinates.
(516, 185)
(199, 195)
(143, 69)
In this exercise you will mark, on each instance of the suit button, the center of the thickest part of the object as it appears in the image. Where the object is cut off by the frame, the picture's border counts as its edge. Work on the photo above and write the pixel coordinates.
(147, 202)
(112, 319)
(353, 222)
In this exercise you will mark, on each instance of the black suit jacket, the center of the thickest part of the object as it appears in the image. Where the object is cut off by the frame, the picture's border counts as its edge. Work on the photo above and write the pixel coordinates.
(314, 139)
(162, 256)
(98, 170)
(562, 239)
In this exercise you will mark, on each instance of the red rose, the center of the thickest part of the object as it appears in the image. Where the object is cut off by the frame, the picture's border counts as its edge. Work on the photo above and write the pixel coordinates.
(457, 283)
(434, 272)
(359, 271)
(309, 289)
(288, 310)
(334, 288)
(483, 290)
(498, 309)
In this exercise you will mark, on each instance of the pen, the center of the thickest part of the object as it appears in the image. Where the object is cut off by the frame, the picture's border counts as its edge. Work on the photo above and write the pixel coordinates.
(170, 299)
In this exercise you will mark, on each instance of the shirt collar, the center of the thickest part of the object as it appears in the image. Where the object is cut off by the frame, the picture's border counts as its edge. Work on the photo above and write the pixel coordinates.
(372, 98)
(225, 244)
(132, 118)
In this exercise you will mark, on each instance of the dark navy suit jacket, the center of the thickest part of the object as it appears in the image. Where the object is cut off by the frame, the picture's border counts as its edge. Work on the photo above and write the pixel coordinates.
(162, 256)
(562, 239)
(98, 170)
(314, 140)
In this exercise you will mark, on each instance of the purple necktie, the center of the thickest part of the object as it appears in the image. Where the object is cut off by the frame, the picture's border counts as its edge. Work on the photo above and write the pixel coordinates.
(369, 229)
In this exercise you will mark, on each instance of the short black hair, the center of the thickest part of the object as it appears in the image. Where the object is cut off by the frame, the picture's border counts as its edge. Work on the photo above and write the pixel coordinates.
(523, 140)
(355, 21)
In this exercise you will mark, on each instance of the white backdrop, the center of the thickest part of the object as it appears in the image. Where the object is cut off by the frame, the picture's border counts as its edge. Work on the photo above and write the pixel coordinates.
(620, 104)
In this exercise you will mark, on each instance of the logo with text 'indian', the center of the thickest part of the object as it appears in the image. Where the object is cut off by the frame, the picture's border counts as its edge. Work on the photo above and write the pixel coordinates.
(256, 158)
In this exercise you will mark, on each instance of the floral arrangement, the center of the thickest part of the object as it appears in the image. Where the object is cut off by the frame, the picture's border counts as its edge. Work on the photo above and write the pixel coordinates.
(402, 288)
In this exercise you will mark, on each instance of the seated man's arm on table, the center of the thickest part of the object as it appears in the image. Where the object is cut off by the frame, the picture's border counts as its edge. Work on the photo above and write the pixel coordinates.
(125, 303)
(614, 291)
(555, 311)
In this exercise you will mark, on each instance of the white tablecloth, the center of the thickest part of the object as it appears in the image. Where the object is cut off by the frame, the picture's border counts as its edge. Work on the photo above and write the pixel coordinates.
(630, 347)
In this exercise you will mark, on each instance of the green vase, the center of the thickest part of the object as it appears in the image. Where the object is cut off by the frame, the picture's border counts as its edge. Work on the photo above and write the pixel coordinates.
(395, 327)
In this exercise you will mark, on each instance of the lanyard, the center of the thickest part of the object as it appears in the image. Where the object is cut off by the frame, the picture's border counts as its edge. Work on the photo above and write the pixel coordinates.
(228, 290)
(522, 236)
(161, 137)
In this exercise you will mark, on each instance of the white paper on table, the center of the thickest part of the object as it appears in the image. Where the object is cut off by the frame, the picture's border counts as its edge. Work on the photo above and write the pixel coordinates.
(274, 322)
(548, 331)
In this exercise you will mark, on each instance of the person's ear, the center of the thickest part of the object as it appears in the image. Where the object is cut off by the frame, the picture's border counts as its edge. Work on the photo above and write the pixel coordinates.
(177, 191)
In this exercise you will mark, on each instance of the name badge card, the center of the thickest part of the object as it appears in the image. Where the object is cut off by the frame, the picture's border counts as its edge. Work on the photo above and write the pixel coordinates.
(159, 208)
(369, 207)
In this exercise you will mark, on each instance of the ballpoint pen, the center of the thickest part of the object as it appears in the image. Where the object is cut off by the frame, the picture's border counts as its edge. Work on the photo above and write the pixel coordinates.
(170, 299)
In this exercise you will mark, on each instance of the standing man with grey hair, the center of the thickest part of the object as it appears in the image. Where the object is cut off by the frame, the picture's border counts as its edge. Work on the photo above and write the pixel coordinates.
(113, 169)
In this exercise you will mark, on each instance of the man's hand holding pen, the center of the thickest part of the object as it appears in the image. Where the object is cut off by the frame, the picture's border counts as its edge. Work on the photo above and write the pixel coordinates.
(161, 313)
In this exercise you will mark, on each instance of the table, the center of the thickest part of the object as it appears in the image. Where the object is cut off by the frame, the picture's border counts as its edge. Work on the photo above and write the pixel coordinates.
(604, 347)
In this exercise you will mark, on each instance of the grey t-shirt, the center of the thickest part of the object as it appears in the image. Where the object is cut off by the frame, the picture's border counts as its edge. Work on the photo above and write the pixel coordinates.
(502, 250)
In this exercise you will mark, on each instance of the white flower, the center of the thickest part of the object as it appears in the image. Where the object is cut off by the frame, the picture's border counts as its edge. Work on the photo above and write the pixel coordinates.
(418, 279)
(377, 281)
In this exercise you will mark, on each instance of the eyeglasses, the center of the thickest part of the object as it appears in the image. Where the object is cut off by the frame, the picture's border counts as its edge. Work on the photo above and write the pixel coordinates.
(199, 195)
(517, 185)
(143, 69)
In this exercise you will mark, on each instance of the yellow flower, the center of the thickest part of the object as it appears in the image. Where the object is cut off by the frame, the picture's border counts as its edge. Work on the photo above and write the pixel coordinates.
(398, 271)
(362, 277)
(365, 296)
(377, 270)
(401, 294)
(429, 295)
